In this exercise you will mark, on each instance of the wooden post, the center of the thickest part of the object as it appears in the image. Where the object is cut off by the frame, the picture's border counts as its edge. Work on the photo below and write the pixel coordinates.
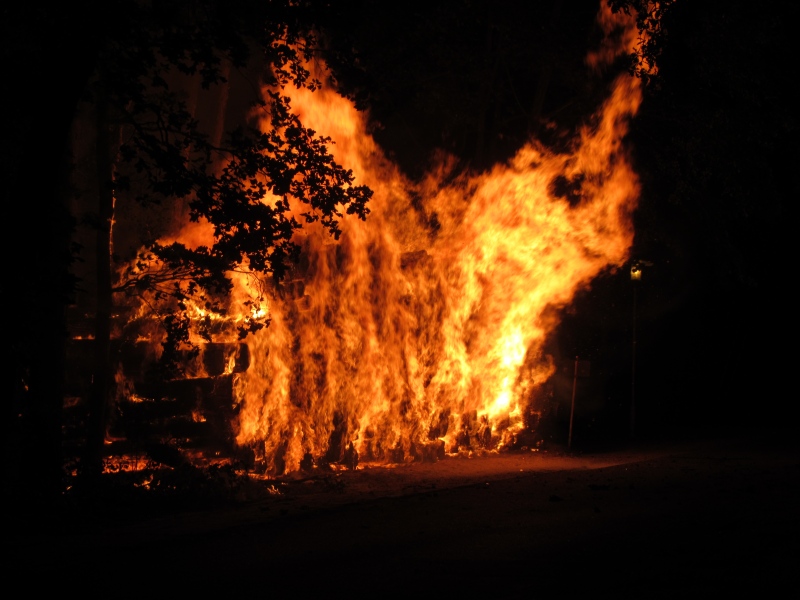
(572, 409)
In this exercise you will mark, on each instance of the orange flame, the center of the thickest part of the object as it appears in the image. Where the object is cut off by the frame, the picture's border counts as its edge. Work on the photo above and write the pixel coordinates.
(421, 331)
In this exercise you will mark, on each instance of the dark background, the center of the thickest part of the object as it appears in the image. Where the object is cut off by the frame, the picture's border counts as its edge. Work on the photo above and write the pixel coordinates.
(714, 145)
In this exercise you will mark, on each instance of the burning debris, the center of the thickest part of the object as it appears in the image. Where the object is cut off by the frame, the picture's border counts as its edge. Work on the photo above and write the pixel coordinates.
(415, 342)
(416, 334)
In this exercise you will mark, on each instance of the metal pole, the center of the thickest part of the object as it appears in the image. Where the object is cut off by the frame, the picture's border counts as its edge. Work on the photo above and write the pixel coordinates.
(633, 366)
(572, 409)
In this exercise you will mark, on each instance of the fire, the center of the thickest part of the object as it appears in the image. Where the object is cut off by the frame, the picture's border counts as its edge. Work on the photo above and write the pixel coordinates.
(421, 331)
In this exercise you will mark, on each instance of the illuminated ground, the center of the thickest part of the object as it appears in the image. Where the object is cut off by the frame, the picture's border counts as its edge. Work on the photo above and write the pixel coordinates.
(647, 522)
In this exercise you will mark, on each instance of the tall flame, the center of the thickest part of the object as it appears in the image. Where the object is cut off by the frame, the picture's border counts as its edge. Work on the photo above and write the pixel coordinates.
(421, 331)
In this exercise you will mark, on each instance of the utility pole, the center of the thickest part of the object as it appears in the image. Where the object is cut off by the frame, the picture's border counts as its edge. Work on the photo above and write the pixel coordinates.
(572, 409)
(633, 360)
(636, 277)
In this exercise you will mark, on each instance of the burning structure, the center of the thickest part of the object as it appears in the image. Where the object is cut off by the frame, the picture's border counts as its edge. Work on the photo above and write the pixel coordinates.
(417, 332)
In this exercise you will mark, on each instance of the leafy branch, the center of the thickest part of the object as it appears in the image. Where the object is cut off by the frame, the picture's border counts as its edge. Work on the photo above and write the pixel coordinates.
(255, 189)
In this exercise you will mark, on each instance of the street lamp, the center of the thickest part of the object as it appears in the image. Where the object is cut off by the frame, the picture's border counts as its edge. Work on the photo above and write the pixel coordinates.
(636, 271)
(636, 277)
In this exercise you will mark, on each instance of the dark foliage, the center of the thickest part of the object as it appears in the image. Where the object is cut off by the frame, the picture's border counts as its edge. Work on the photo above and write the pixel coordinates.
(123, 58)
(226, 184)
(652, 19)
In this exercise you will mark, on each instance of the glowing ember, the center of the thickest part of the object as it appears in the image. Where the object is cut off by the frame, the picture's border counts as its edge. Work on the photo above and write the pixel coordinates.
(420, 332)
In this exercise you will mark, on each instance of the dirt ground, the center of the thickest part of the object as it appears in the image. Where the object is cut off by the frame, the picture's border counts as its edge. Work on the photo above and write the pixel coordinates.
(649, 521)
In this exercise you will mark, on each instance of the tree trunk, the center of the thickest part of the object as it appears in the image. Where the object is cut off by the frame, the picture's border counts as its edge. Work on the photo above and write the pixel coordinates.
(102, 378)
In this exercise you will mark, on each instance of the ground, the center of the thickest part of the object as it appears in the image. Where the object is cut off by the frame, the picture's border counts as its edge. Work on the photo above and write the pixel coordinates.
(649, 520)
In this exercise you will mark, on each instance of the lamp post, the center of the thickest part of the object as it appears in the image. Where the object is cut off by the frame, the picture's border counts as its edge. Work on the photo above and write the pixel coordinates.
(636, 277)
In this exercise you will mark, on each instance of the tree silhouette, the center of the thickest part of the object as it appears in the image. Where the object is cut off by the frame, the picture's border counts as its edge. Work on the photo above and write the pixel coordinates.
(128, 59)
(226, 182)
